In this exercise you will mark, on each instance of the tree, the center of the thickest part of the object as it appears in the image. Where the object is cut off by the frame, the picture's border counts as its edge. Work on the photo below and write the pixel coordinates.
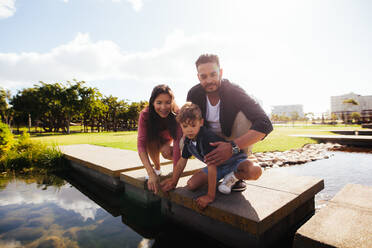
(334, 117)
(4, 108)
(274, 117)
(355, 116)
(350, 101)
(294, 116)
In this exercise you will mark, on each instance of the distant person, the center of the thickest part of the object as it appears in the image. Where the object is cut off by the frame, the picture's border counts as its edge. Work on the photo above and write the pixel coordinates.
(228, 111)
(157, 129)
(197, 143)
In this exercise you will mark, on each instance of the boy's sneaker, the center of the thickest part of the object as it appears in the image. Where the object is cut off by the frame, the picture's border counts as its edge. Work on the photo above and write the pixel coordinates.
(239, 186)
(228, 181)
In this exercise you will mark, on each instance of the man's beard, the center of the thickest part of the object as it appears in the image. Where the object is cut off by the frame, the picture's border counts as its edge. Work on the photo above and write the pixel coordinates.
(213, 84)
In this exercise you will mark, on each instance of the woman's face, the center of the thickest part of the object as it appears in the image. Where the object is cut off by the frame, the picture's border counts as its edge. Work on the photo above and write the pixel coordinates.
(163, 105)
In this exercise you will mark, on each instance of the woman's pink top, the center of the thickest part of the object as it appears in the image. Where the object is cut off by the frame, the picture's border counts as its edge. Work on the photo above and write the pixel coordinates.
(142, 136)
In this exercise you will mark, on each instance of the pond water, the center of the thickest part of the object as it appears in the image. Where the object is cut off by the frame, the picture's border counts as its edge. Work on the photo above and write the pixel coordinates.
(72, 211)
(337, 171)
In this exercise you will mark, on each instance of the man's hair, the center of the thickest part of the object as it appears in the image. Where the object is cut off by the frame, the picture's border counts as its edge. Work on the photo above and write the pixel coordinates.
(189, 112)
(207, 58)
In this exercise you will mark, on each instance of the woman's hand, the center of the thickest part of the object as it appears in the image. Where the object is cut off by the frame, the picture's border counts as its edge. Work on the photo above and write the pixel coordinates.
(168, 184)
(153, 183)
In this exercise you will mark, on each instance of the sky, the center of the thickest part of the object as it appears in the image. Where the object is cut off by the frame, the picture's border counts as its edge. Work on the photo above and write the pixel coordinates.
(280, 52)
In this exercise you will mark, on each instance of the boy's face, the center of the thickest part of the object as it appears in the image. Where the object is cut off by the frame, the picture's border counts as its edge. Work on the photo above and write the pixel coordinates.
(190, 128)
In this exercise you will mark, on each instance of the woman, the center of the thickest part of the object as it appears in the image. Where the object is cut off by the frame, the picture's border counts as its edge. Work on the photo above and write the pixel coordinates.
(157, 128)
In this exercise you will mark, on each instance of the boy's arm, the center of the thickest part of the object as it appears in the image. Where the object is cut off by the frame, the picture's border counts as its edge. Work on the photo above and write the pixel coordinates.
(171, 183)
(204, 200)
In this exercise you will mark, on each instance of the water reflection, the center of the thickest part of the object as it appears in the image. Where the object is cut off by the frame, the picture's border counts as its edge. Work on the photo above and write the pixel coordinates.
(58, 216)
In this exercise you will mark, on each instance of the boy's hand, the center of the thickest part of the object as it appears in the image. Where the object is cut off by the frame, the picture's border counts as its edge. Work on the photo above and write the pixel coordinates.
(167, 184)
(203, 201)
(220, 154)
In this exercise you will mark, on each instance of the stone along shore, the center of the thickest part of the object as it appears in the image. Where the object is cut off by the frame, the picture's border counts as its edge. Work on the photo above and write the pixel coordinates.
(308, 153)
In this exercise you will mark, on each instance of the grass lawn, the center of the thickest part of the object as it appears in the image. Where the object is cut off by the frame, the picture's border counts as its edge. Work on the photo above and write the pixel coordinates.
(278, 140)
(123, 140)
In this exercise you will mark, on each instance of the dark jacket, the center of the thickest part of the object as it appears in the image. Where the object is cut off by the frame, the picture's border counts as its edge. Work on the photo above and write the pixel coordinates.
(233, 99)
(203, 147)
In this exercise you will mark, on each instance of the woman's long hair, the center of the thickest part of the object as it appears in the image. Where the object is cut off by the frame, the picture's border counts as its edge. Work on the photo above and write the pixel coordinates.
(156, 124)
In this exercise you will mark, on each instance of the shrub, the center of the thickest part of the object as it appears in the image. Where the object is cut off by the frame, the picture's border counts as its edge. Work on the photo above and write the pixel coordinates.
(6, 139)
(30, 155)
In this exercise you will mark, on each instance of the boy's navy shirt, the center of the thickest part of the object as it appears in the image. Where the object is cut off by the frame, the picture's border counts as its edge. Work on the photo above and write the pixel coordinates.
(202, 148)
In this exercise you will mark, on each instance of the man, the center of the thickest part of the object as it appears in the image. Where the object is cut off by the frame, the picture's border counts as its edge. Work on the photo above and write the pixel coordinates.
(228, 111)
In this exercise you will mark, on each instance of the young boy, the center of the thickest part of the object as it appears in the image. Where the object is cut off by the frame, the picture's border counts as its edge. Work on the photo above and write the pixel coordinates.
(197, 142)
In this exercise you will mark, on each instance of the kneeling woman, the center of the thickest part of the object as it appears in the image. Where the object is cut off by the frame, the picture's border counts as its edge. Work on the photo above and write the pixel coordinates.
(157, 128)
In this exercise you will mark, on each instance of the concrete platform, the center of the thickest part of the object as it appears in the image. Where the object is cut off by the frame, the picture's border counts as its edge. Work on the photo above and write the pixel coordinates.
(352, 140)
(103, 163)
(345, 222)
(136, 181)
(352, 132)
(268, 211)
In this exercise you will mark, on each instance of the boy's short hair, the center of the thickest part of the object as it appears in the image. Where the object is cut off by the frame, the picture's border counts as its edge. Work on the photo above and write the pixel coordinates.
(189, 112)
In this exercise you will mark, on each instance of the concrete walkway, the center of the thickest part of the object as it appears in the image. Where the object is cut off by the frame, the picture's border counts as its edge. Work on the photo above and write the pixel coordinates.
(352, 132)
(104, 164)
(346, 221)
(353, 140)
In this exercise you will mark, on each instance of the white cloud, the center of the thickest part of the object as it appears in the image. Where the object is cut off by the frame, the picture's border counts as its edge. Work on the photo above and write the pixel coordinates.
(267, 61)
(68, 198)
(7, 8)
(65, 1)
(136, 4)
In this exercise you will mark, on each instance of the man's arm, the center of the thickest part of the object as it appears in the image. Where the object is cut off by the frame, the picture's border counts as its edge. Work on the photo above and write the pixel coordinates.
(261, 126)
(171, 183)
(223, 150)
(204, 200)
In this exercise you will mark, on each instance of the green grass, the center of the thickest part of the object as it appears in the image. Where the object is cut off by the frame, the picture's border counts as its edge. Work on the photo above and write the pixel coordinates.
(278, 140)
(123, 140)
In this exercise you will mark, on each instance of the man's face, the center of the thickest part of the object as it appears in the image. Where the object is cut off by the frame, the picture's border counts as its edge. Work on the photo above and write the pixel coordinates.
(191, 128)
(209, 75)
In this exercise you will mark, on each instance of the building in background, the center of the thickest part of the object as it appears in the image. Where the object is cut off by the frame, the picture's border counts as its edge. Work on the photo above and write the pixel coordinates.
(343, 106)
(288, 110)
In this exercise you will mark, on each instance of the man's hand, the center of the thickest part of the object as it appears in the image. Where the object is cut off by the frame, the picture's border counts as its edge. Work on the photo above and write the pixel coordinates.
(219, 155)
(153, 183)
(203, 201)
(167, 184)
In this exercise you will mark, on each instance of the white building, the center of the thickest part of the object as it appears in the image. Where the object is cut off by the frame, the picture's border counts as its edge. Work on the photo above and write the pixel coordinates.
(288, 110)
(343, 106)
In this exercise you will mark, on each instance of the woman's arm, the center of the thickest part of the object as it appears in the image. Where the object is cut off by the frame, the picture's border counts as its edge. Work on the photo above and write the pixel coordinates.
(153, 182)
(176, 146)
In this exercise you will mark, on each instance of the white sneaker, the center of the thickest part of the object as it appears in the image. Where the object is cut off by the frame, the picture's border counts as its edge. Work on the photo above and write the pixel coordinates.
(157, 172)
(228, 181)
